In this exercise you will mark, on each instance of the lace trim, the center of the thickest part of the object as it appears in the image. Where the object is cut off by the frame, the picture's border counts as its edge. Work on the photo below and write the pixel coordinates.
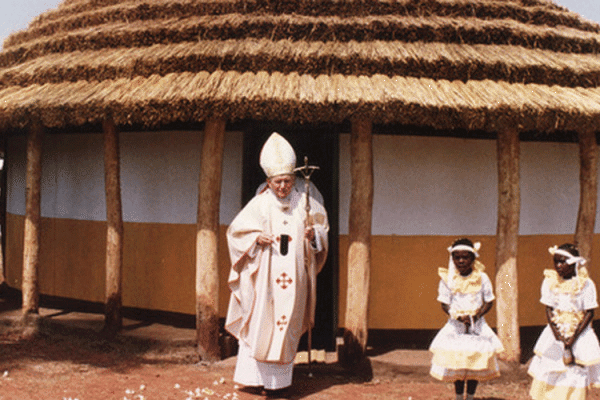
(571, 286)
(567, 321)
(464, 284)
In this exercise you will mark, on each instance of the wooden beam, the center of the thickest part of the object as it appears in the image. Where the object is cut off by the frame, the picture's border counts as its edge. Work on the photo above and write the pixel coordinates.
(114, 229)
(588, 192)
(359, 251)
(207, 237)
(31, 250)
(509, 203)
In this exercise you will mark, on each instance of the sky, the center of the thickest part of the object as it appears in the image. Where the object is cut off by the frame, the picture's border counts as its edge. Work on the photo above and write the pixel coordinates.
(15, 15)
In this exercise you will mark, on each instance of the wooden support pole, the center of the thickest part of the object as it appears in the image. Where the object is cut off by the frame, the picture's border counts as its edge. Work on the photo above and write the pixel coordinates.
(359, 251)
(114, 230)
(3, 191)
(509, 203)
(588, 192)
(31, 250)
(207, 237)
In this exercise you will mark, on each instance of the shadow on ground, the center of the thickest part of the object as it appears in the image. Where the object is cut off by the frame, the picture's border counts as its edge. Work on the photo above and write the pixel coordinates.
(74, 336)
(60, 337)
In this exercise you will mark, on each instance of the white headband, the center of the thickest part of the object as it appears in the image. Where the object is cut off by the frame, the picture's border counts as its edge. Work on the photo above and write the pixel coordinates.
(571, 259)
(474, 249)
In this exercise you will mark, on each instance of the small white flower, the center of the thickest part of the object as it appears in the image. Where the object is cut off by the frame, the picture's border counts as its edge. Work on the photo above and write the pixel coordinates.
(222, 380)
(5, 374)
(129, 391)
(142, 386)
(177, 386)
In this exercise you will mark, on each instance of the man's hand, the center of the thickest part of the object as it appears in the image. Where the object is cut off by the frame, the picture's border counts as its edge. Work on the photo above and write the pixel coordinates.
(309, 233)
(264, 239)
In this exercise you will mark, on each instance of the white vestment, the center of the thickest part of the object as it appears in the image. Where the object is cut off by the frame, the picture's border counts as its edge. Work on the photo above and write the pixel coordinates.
(273, 295)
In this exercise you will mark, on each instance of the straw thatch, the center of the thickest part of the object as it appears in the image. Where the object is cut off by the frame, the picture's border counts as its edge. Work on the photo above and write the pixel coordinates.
(443, 63)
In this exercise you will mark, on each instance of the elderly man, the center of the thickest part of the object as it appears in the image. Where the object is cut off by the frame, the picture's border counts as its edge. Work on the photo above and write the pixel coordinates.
(276, 254)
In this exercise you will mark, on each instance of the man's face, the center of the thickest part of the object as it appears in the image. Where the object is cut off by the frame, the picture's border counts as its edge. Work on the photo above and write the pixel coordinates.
(281, 185)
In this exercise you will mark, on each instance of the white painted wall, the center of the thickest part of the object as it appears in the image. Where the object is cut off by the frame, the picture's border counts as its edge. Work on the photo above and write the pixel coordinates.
(423, 185)
(448, 186)
(159, 177)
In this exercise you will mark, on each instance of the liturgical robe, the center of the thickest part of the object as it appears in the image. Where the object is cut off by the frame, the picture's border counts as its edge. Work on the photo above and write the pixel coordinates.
(273, 288)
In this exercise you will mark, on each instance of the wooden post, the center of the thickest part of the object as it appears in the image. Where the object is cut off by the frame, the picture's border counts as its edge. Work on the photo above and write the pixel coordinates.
(509, 204)
(114, 229)
(31, 251)
(588, 192)
(3, 191)
(359, 252)
(207, 236)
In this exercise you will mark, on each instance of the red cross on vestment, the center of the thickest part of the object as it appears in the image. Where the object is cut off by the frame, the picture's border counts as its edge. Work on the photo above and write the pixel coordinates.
(284, 280)
(282, 322)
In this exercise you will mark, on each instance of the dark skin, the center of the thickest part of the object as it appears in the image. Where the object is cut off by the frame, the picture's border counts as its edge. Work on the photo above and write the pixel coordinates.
(464, 260)
(567, 271)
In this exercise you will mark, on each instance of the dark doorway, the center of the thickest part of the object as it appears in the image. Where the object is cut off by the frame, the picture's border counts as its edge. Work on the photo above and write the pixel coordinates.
(320, 144)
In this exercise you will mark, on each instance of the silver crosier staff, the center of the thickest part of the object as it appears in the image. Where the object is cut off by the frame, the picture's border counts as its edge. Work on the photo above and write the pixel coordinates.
(306, 171)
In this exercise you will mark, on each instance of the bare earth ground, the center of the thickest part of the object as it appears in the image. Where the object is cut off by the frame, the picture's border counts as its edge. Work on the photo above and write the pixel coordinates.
(69, 359)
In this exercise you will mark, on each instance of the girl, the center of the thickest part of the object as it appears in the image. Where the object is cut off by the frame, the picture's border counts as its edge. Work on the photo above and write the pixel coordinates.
(465, 348)
(567, 353)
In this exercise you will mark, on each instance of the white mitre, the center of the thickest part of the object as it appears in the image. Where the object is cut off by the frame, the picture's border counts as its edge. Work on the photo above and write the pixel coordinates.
(277, 156)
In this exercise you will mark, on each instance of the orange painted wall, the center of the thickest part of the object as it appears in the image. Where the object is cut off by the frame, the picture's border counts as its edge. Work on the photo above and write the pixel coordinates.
(158, 262)
(159, 269)
(404, 278)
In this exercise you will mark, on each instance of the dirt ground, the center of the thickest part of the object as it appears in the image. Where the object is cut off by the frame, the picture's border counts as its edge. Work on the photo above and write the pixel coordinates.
(73, 361)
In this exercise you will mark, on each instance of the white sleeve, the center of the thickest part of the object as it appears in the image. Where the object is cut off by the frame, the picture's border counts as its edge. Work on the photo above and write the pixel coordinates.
(589, 295)
(488, 290)
(444, 293)
(548, 299)
(320, 238)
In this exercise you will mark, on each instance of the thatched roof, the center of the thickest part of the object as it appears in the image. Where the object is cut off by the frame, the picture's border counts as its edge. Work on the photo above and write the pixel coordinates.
(439, 63)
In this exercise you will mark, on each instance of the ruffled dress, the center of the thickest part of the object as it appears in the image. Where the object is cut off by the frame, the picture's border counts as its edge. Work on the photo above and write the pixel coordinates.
(552, 379)
(459, 354)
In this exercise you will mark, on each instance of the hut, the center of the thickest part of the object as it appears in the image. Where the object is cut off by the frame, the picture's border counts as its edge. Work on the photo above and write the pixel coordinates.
(132, 130)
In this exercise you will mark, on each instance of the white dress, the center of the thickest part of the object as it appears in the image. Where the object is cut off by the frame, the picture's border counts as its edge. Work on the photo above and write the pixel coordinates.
(458, 354)
(552, 379)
